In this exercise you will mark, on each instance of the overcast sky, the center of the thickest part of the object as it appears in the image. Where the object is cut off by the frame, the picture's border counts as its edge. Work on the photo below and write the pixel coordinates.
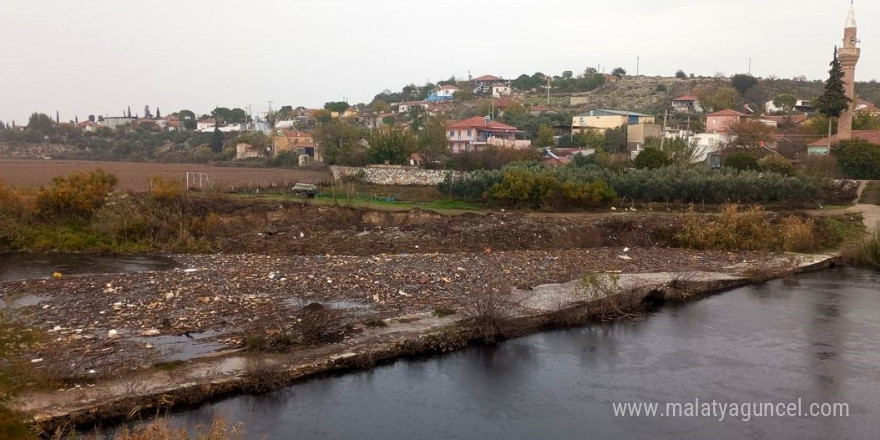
(100, 56)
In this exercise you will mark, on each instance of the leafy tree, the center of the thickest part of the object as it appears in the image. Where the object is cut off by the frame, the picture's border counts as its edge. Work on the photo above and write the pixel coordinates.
(91, 118)
(742, 160)
(41, 123)
(652, 158)
(591, 138)
(381, 106)
(865, 121)
(217, 140)
(147, 113)
(751, 134)
(449, 82)
(717, 98)
(545, 136)
(785, 101)
(743, 82)
(237, 116)
(187, 119)
(339, 143)
(433, 144)
(391, 145)
(615, 140)
(322, 116)
(858, 159)
(619, 72)
(680, 151)
(567, 74)
(338, 106)
(833, 101)
(590, 71)
(756, 94)
(222, 115)
(680, 74)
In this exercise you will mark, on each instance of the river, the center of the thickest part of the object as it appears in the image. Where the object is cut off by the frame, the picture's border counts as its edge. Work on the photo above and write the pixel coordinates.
(813, 338)
(19, 266)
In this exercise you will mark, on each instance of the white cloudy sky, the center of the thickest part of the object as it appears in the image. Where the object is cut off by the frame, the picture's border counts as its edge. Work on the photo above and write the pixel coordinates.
(100, 56)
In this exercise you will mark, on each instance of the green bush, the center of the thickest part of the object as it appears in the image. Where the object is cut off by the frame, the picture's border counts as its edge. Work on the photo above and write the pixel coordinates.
(742, 161)
(544, 190)
(858, 159)
(775, 163)
(652, 158)
(669, 184)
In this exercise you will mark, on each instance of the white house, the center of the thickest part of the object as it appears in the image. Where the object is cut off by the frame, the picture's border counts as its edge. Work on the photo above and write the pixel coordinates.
(205, 124)
(501, 90)
(116, 121)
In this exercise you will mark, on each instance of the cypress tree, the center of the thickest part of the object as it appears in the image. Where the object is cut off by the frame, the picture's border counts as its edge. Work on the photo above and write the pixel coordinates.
(217, 140)
(833, 101)
(158, 113)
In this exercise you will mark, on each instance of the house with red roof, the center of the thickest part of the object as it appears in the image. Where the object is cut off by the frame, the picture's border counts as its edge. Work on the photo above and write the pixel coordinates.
(687, 104)
(478, 133)
(719, 122)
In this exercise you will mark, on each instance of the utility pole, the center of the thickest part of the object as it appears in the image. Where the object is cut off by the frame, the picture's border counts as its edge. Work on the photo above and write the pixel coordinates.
(638, 62)
(750, 66)
(548, 91)
(663, 132)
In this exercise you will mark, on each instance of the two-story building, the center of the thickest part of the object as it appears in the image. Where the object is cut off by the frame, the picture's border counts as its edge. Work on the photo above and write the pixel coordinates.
(478, 133)
(639, 126)
(720, 122)
(299, 142)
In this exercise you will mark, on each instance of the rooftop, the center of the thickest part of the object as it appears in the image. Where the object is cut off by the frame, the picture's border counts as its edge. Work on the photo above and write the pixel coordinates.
(483, 124)
(727, 113)
(872, 136)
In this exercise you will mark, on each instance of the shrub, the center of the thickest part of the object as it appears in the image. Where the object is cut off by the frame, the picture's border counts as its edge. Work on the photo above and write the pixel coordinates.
(77, 195)
(867, 250)
(165, 191)
(652, 158)
(775, 163)
(752, 229)
(742, 161)
(544, 190)
(678, 184)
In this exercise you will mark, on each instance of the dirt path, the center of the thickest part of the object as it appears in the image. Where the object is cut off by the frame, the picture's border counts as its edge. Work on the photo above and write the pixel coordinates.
(870, 214)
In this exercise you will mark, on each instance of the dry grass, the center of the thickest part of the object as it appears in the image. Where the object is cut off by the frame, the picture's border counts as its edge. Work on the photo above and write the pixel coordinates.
(489, 310)
(160, 430)
(867, 250)
(751, 229)
(607, 298)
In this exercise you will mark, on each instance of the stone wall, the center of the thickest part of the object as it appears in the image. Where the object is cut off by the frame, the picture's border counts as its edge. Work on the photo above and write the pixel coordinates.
(392, 175)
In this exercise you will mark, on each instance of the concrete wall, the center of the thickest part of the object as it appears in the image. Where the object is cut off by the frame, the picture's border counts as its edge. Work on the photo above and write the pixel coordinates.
(392, 175)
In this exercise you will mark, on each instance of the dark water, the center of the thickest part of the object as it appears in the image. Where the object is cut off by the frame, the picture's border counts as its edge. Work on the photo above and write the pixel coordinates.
(815, 337)
(29, 266)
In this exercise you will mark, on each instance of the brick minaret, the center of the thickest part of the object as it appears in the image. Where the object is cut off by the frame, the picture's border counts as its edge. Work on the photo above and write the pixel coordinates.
(849, 57)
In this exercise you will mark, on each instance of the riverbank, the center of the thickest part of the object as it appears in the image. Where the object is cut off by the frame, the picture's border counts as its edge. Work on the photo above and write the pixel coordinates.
(423, 306)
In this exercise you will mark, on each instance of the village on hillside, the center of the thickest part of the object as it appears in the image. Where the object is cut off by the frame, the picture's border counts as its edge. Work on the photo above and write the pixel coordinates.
(552, 118)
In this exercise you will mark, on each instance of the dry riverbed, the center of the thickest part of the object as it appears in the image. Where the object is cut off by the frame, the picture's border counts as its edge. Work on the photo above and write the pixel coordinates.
(104, 335)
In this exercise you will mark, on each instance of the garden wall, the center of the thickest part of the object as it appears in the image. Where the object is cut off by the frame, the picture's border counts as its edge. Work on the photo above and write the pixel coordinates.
(392, 175)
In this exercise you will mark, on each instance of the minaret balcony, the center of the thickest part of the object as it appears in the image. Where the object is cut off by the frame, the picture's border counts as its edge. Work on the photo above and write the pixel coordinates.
(849, 54)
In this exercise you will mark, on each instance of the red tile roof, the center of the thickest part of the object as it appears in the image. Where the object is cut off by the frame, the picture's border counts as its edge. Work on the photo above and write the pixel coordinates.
(686, 98)
(727, 113)
(872, 136)
(488, 78)
(481, 123)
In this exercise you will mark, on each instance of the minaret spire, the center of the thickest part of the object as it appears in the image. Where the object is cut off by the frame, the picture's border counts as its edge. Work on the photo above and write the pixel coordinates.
(851, 18)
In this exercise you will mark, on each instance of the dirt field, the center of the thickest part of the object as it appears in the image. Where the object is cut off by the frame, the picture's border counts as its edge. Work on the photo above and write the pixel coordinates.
(134, 176)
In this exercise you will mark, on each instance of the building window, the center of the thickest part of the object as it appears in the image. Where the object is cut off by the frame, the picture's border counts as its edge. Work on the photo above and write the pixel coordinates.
(459, 133)
(470, 133)
(451, 133)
